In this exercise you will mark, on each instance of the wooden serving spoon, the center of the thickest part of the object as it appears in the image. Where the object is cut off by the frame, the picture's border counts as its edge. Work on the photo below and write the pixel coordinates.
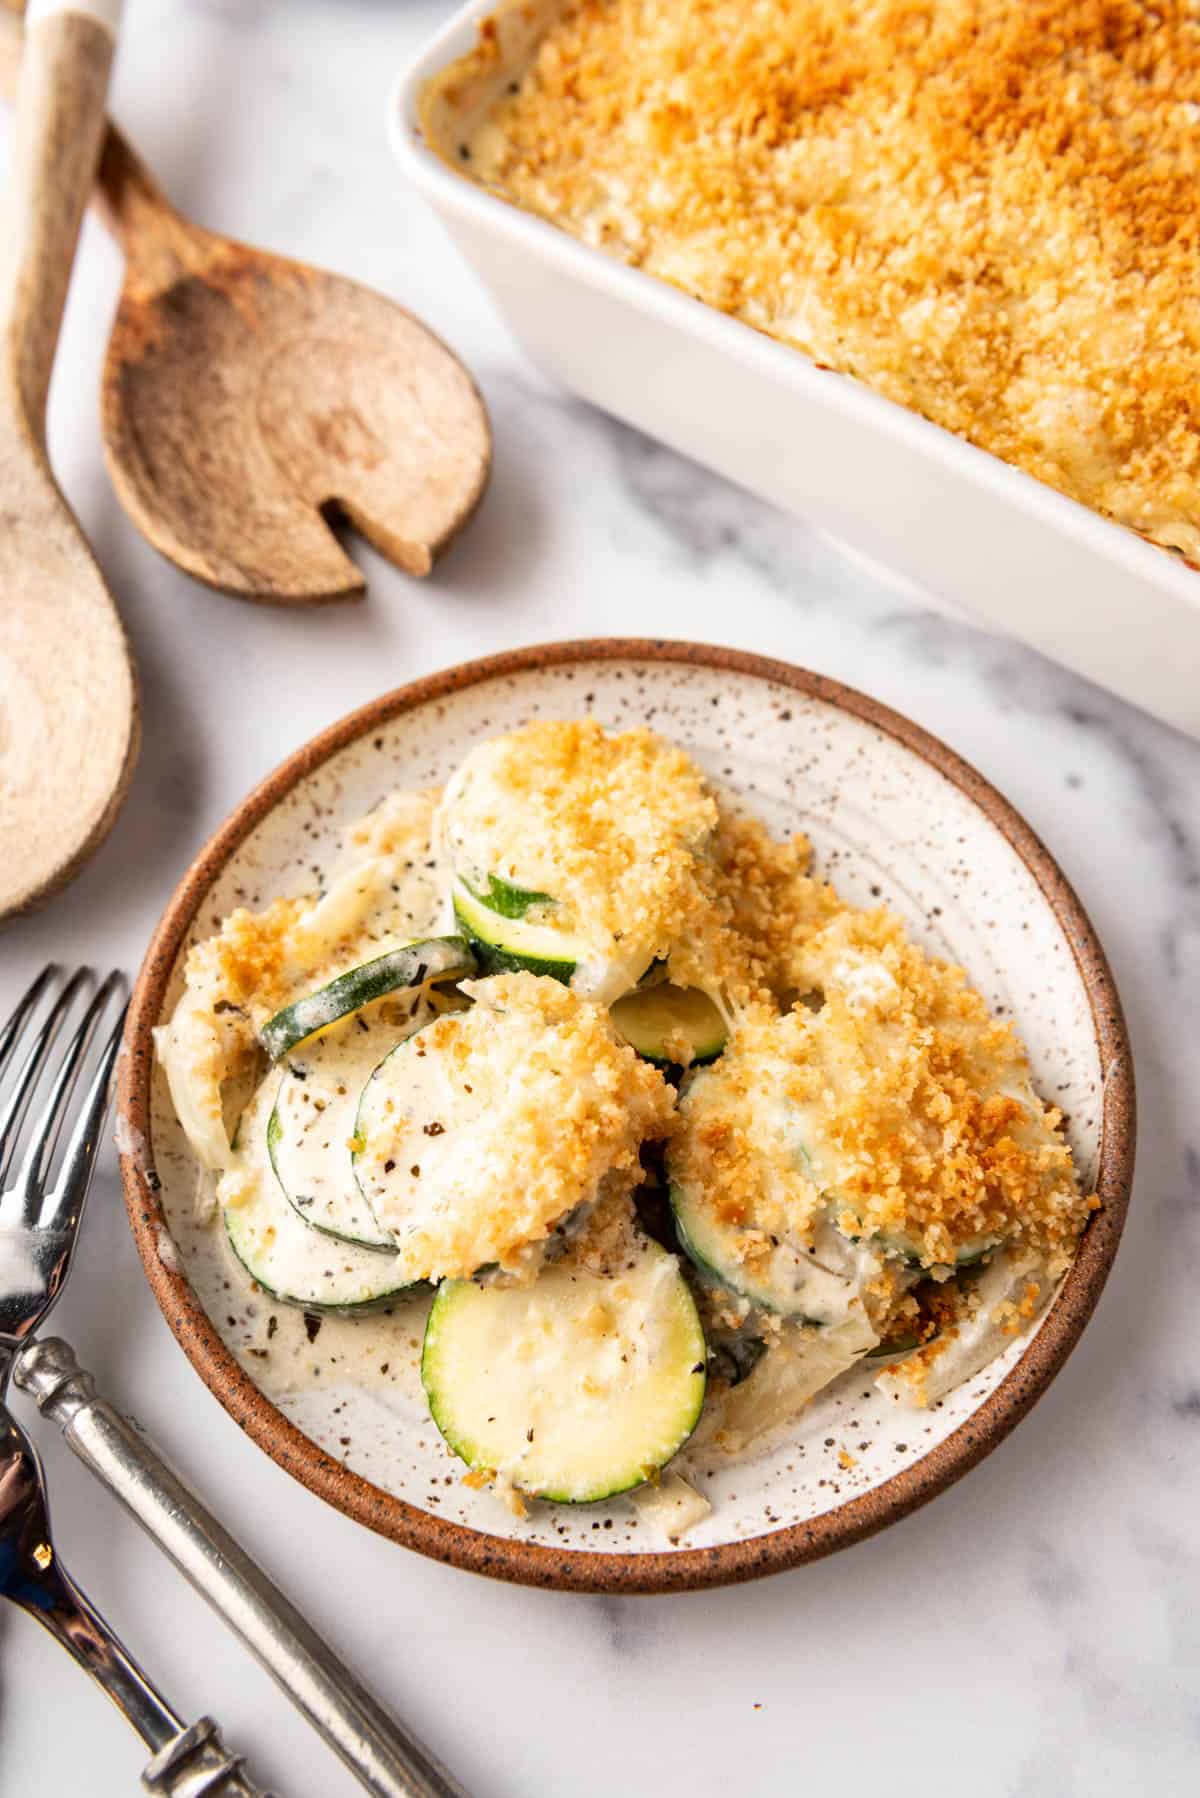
(68, 705)
(247, 397)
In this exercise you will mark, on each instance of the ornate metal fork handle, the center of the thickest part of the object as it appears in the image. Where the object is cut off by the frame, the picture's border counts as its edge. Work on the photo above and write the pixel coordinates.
(387, 1759)
(188, 1762)
(39, 1220)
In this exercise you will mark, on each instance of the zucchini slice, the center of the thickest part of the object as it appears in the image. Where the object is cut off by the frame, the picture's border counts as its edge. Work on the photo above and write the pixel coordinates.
(507, 943)
(489, 1136)
(296, 1265)
(777, 1275)
(661, 1020)
(310, 1134)
(507, 900)
(405, 968)
(904, 1248)
(573, 1389)
(892, 1348)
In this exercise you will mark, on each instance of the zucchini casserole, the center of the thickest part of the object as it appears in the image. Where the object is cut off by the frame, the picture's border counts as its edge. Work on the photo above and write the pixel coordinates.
(667, 1136)
(983, 209)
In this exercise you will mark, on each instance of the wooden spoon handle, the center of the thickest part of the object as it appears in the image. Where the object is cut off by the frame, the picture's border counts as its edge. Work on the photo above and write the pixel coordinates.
(11, 38)
(56, 144)
(158, 243)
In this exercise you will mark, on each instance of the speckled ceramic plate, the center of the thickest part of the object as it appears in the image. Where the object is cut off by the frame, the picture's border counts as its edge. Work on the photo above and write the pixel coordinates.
(893, 814)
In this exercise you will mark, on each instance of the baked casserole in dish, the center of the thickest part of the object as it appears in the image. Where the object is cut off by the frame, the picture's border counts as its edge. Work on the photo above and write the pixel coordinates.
(985, 210)
(984, 213)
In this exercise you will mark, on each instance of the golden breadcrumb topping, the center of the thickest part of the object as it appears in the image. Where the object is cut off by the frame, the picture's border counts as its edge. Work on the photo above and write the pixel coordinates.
(866, 1108)
(400, 825)
(610, 1241)
(489, 1127)
(211, 1040)
(900, 1103)
(764, 906)
(984, 209)
(967, 1324)
(382, 889)
(249, 965)
(609, 826)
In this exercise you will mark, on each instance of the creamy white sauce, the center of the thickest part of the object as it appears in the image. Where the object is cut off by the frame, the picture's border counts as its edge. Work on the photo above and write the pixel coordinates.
(272, 1240)
(576, 1384)
(862, 981)
(800, 1363)
(982, 1334)
(603, 972)
(316, 1114)
(448, 1123)
(393, 885)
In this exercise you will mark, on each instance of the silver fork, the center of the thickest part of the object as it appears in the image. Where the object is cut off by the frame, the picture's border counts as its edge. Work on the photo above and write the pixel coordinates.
(38, 1226)
(39, 1222)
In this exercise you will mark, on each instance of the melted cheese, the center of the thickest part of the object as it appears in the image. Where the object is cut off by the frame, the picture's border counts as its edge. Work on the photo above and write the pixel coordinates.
(383, 889)
(611, 827)
(488, 1130)
(900, 1104)
(889, 1108)
(985, 209)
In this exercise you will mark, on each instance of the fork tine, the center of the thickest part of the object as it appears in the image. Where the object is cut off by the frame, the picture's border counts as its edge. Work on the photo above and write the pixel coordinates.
(18, 1103)
(63, 1205)
(30, 1182)
(11, 1034)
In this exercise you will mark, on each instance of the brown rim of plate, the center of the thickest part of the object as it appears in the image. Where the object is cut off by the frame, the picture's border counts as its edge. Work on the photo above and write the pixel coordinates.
(681, 1569)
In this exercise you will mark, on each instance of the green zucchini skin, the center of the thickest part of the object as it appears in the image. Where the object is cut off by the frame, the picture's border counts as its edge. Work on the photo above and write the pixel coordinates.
(529, 1415)
(894, 1348)
(507, 900)
(734, 1355)
(310, 1130)
(493, 960)
(290, 1261)
(971, 1255)
(505, 944)
(328, 1289)
(651, 1016)
(405, 968)
(795, 1285)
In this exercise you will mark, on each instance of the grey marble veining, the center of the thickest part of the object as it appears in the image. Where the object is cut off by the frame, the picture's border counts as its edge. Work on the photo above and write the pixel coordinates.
(1033, 1633)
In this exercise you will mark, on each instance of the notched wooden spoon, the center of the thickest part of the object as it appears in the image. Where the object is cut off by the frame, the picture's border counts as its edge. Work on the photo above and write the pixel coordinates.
(246, 396)
(248, 399)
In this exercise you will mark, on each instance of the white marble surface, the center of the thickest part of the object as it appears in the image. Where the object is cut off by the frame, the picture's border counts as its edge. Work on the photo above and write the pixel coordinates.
(1033, 1632)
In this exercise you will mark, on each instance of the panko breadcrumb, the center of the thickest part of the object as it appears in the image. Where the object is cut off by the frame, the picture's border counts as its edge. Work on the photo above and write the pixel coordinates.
(609, 825)
(984, 209)
(866, 1106)
(765, 904)
(549, 1111)
(914, 1107)
(382, 889)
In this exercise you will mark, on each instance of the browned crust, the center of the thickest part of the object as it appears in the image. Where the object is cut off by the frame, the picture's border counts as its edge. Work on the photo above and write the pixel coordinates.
(678, 1569)
(983, 210)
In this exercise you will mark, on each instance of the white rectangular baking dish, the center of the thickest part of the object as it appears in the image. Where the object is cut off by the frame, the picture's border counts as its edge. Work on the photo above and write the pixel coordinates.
(956, 521)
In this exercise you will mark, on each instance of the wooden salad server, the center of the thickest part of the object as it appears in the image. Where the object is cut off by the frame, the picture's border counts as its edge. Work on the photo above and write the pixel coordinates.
(247, 398)
(68, 704)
